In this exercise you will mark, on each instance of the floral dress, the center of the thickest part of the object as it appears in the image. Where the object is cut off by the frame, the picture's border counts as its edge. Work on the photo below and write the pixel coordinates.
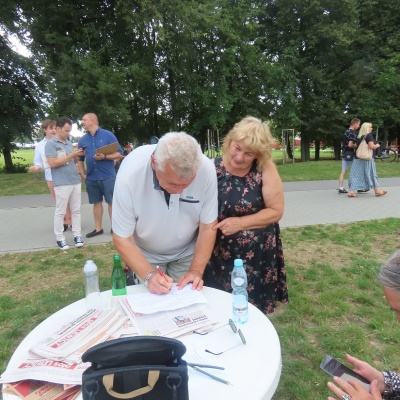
(260, 249)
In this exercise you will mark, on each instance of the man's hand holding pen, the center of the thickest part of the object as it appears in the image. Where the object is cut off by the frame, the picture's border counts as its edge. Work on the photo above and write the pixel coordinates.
(159, 283)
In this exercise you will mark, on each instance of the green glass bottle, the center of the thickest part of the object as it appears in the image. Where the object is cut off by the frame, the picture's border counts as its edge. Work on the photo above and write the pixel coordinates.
(118, 279)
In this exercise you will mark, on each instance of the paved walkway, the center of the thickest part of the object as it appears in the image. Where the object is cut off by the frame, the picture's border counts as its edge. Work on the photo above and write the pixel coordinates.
(27, 221)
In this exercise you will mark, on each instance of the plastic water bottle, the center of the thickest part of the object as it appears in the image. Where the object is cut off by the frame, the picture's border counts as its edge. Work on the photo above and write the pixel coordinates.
(118, 279)
(91, 277)
(240, 306)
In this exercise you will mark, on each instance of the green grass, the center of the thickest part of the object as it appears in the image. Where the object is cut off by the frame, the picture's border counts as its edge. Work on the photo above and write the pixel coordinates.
(329, 169)
(336, 305)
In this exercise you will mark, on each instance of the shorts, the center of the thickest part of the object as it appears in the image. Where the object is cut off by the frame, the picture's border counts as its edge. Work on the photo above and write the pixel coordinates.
(96, 190)
(346, 164)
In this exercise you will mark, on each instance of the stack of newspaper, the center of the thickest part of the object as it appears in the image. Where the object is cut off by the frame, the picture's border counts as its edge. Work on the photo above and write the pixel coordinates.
(171, 315)
(56, 361)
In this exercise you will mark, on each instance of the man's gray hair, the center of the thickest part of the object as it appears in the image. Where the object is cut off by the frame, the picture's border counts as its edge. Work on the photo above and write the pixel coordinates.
(389, 275)
(181, 151)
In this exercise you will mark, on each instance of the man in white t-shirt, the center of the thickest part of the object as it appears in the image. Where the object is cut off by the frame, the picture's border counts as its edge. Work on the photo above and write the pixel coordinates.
(40, 164)
(164, 207)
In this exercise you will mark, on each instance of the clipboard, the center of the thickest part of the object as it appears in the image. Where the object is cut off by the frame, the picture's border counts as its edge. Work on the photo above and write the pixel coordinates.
(108, 149)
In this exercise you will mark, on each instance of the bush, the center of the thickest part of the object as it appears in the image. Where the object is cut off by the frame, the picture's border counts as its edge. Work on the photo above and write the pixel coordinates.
(16, 168)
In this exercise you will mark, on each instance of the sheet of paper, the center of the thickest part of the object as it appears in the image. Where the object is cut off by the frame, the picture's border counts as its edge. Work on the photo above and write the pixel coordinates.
(148, 303)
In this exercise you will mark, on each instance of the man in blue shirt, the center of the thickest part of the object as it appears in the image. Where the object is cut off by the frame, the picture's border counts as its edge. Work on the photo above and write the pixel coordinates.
(100, 171)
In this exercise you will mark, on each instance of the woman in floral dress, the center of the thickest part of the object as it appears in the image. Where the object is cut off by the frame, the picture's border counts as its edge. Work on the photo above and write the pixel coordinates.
(250, 204)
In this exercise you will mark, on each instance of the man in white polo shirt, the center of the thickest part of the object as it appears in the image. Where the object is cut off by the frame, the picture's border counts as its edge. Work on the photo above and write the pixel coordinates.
(164, 207)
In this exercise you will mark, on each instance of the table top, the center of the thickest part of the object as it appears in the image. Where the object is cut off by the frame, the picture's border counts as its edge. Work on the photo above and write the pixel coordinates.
(253, 369)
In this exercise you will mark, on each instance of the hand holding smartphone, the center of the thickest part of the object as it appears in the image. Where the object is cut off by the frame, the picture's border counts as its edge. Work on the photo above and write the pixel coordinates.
(335, 368)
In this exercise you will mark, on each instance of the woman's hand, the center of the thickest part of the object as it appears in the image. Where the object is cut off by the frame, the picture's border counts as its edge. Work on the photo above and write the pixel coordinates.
(354, 389)
(367, 371)
(229, 226)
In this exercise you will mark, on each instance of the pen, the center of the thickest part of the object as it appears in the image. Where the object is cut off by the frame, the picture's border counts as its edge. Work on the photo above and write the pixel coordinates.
(212, 376)
(162, 274)
(204, 366)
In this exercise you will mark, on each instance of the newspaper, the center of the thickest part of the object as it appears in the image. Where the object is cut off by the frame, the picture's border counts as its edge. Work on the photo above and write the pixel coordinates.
(172, 323)
(38, 368)
(72, 340)
(38, 390)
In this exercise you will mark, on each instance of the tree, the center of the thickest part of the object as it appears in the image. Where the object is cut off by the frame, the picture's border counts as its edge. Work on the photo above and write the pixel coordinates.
(19, 94)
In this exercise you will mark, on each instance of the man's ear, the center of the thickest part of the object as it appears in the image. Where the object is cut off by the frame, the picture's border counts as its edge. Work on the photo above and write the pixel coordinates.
(153, 161)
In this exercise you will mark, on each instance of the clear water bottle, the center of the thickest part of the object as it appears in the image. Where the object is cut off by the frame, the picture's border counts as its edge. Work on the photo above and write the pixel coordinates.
(118, 278)
(240, 306)
(92, 291)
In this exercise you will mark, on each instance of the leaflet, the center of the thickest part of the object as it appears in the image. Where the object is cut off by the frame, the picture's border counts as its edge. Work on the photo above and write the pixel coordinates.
(148, 303)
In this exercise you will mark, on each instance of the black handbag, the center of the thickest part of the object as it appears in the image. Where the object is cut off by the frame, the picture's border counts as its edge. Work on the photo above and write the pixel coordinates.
(140, 368)
(348, 155)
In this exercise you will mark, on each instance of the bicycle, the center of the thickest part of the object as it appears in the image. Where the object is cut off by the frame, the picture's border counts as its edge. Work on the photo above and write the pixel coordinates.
(387, 154)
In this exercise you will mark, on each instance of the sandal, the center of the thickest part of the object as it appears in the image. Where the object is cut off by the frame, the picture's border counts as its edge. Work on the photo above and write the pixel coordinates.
(351, 194)
(381, 193)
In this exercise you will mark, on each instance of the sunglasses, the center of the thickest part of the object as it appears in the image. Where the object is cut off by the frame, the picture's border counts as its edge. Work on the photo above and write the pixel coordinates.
(234, 330)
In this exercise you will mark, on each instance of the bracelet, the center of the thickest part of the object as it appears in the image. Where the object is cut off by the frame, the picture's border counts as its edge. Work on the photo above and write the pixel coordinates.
(148, 276)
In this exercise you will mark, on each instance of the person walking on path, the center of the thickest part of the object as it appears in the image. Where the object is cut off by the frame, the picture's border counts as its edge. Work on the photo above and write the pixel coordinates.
(41, 164)
(67, 184)
(349, 146)
(363, 173)
(100, 170)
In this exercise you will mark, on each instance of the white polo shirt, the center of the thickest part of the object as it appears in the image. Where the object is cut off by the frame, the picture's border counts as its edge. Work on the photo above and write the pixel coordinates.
(163, 232)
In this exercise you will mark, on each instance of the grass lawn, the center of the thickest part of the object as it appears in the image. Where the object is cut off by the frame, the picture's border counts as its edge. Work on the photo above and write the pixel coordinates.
(336, 306)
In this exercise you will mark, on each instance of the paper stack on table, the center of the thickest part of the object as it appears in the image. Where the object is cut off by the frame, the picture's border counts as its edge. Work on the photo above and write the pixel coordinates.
(170, 315)
(72, 340)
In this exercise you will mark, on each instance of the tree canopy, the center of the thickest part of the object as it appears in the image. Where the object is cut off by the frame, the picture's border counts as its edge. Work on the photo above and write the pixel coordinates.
(149, 67)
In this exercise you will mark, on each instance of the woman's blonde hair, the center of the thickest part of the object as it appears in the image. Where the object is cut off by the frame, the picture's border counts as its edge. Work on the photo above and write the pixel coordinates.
(255, 135)
(364, 129)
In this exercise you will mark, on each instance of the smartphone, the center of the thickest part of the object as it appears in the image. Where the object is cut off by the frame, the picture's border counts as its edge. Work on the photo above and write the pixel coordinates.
(335, 368)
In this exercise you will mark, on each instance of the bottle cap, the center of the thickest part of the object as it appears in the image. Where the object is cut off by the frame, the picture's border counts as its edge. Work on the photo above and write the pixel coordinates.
(90, 266)
(238, 262)
(117, 257)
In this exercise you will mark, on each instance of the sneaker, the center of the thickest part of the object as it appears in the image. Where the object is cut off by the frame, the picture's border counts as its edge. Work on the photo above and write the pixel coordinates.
(78, 241)
(94, 233)
(342, 191)
(62, 245)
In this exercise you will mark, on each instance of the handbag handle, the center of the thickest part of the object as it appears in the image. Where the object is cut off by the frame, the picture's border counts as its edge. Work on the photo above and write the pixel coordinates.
(108, 382)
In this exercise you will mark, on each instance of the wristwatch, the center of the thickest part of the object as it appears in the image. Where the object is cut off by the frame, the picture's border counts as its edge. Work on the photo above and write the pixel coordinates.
(148, 276)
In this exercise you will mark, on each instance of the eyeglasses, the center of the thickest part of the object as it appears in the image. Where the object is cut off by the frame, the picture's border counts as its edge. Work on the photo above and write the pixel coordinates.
(234, 330)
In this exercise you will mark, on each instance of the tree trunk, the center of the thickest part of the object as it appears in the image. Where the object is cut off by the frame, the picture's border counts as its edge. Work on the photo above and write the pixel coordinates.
(289, 149)
(317, 149)
(8, 164)
(305, 149)
(173, 100)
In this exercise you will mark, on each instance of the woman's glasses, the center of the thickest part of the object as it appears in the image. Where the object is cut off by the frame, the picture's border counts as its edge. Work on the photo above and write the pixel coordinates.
(234, 330)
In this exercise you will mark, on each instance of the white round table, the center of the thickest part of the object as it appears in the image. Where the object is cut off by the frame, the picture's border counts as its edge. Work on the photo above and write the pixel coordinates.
(253, 369)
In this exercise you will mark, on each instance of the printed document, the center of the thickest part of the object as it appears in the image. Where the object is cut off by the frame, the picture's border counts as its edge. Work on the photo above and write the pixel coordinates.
(148, 303)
